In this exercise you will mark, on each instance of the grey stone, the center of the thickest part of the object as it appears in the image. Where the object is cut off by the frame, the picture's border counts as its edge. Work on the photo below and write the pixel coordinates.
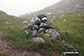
(38, 40)
(26, 31)
(69, 47)
(43, 24)
(41, 30)
(53, 33)
(34, 33)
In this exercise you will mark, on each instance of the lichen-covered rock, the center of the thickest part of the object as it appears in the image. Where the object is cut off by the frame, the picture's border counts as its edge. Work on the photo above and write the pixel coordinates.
(38, 40)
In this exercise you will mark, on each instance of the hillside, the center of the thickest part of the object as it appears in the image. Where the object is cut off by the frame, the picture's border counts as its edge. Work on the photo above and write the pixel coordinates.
(8, 22)
(67, 18)
(65, 6)
(70, 26)
(60, 7)
(2, 13)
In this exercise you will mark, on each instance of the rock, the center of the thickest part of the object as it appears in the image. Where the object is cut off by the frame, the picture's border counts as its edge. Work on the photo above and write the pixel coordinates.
(30, 26)
(40, 30)
(26, 31)
(49, 13)
(62, 15)
(7, 22)
(47, 35)
(78, 14)
(24, 22)
(64, 19)
(53, 33)
(34, 33)
(43, 24)
(69, 47)
(47, 23)
(38, 40)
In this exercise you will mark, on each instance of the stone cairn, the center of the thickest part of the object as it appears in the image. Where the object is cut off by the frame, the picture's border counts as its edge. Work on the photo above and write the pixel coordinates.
(41, 25)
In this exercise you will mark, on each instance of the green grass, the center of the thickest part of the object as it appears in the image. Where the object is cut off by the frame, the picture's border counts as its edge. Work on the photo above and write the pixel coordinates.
(19, 40)
(71, 31)
(3, 55)
(8, 22)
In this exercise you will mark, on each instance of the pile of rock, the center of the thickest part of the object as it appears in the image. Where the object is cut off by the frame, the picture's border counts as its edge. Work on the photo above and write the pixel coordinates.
(41, 25)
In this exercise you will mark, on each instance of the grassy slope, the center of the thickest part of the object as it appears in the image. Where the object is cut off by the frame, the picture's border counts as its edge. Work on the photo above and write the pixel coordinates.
(8, 22)
(71, 31)
(3, 55)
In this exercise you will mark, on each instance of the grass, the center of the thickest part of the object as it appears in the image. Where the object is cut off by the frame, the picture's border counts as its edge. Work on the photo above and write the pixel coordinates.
(18, 39)
(8, 22)
(3, 55)
(71, 31)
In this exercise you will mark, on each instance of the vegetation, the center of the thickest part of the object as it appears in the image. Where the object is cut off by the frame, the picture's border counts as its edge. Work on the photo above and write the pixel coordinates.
(72, 29)
(70, 26)
(8, 22)
(21, 41)
(3, 55)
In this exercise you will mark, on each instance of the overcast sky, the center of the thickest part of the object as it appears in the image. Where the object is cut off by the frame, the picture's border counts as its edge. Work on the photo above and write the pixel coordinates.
(19, 7)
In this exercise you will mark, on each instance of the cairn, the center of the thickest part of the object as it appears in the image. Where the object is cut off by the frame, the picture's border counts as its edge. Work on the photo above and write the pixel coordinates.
(41, 25)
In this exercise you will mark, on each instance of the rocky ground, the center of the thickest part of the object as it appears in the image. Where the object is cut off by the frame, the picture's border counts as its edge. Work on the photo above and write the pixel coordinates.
(5, 49)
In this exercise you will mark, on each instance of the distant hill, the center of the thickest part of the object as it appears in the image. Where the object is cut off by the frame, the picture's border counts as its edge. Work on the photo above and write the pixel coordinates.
(5, 17)
(2, 13)
(60, 7)
(64, 6)
(10, 21)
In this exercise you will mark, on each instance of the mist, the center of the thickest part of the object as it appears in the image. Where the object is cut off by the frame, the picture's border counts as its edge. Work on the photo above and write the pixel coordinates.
(20, 7)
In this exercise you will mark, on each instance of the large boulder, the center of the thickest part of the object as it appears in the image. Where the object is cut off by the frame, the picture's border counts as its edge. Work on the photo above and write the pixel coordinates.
(38, 40)
(53, 33)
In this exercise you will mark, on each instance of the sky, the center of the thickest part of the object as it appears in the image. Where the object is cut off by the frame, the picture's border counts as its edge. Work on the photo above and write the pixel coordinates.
(20, 7)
